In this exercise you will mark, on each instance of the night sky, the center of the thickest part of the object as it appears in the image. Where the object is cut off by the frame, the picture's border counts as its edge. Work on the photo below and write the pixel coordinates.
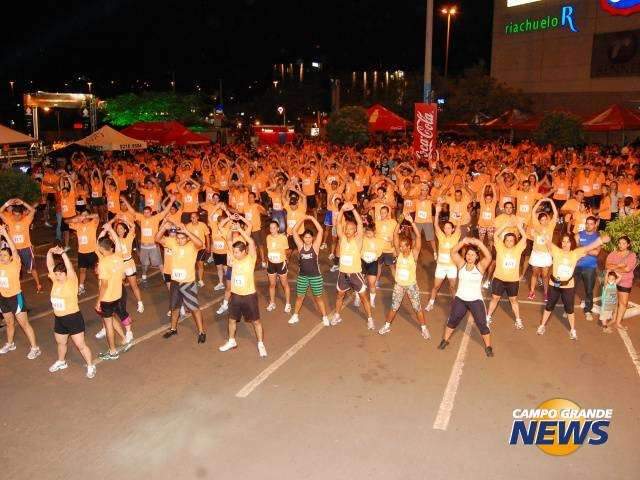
(239, 40)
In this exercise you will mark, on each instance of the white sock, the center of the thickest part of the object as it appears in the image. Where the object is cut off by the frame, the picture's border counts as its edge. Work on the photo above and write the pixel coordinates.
(144, 277)
(372, 297)
(225, 302)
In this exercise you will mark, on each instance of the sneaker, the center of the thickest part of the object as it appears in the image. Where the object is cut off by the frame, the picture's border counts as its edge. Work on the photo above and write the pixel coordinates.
(8, 347)
(573, 335)
(488, 351)
(385, 329)
(486, 285)
(334, 268)
(489, 320)
(200, 283)
(34, 353)
(370, 324)
(356, 301)
(128, 337)
(541, 329)
(223, 308)
(91, 371)
(103, 333)
(294, 319)
(430, 305)
(219, 286)
(425, 332)
(109, 356)
(264, 265)
(229, 344)
(531, 296)
(262, 350)
(169, 313)
(287, 308)
(271, 307)
(588, 316)
(169, 333)
(607, 330)
(58, 365)
(202, 337)
(336, 320)
(443, 344)
(323, 246)
(325, 321)
(140, 308)
(81, 290)
(519, 324)
(331, 256)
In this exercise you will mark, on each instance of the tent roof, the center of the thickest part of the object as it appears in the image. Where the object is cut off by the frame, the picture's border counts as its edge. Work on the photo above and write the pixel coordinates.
(384, 120)
(614, 118)
(107, 139)
(507, 121)
(164, 133)
(9, 136)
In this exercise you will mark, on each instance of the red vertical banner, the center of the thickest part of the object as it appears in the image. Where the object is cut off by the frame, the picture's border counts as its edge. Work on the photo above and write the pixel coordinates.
(425, 130)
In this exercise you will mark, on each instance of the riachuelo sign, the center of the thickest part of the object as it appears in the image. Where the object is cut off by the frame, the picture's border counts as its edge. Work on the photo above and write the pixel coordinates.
(565, 19)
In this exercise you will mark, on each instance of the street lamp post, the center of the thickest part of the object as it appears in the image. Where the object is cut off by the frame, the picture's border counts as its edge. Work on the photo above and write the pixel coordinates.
(428, 54)
(449, 12)
(89, 85)
(283, 112)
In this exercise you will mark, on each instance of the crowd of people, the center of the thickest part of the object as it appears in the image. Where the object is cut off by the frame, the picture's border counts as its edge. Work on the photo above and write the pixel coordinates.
(484, 215)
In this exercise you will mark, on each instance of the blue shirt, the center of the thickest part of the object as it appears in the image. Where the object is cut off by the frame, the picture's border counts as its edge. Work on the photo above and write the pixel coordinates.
(588, 261)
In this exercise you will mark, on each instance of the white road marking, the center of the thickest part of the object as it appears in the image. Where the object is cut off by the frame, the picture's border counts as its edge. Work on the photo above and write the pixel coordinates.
(267, 372)
(448, 399)
(630, 348)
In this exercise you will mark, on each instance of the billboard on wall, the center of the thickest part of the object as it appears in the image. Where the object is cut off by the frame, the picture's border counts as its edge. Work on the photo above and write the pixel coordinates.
(616, 54)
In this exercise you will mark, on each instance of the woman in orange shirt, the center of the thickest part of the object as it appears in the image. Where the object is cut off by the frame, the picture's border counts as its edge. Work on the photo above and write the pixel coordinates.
(68, 318)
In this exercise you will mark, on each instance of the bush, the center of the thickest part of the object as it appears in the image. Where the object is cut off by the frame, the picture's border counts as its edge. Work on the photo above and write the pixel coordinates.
(560, 129)
(629, 226)
(18, 185)
(349, 126)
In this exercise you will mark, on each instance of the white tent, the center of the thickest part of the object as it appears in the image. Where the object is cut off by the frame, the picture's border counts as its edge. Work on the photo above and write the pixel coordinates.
(9, 136)
(107, 139)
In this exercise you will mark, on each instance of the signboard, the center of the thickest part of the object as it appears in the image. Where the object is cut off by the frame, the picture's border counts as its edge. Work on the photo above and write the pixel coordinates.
(515, 3)
(616, 54)
(425, 133)
(620, 7)
(563, 19)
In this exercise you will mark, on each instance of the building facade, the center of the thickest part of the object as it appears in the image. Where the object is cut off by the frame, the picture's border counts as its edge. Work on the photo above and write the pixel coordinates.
(580, 55)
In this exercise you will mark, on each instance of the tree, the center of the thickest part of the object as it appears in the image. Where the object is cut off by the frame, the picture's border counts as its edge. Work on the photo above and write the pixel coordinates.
(560, 129)
(18, 185)
(629, 226)
(130, 108)
(349, 126)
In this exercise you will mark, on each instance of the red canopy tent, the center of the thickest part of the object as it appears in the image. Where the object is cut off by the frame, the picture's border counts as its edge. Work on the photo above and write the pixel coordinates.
(614, 119)
(164, 133)
(384, 120)
(509, 120)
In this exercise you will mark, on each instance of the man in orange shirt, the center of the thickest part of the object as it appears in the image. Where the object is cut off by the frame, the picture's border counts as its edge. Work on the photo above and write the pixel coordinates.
(85, 227)
(18, 221)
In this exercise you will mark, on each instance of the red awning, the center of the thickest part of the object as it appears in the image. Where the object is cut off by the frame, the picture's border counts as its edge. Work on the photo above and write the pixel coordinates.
(164, 133)
(614, 119)
(509, 120)
(384, 120)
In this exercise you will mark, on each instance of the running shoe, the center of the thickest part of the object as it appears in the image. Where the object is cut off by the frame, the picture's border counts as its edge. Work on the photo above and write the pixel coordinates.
(8, 347)
(336, 320)
(294, 319)
(443, 344)
(81, 290)
(229, 344)
(202, 337)
(519, 324)
(200, 283)
(386, 328)
(262, 350)
(109, 356)
(370, 324)
(140, 308)
(573, 335)
(219, 286)
(128, 337)
(91, 371)
(58, 365)
(334, 268)
(541, 329)
(287, 308)
(425, 332)
(125, 347)
(325, 321)
(34, 352)
(223, 308)
(169, 333)
(103, 333)
(356, 301)
(531, 296)
(430, 305)
(435, 257)
(488, 351)
(271, 307)
(588, 316)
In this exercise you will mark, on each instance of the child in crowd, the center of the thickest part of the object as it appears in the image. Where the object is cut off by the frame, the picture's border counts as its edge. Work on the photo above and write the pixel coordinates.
(608, 300)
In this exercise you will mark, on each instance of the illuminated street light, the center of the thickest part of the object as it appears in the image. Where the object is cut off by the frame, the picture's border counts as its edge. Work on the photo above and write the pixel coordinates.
(275, 84)
(449, 12)
(283, 112)
(89, 85)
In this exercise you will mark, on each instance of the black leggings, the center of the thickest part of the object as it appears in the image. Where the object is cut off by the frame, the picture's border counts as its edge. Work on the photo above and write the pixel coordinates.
(567, 295)
(459, 309)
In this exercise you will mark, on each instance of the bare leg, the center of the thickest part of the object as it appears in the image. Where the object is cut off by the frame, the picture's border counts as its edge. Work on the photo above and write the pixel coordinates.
(78, 340)
(257, 327)
(287, 290)
(23, 321)
(61, 343)
(133, 283)
(197, 316)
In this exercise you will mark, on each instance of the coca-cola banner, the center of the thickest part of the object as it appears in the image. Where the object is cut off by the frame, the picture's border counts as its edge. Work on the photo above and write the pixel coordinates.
(425, 131)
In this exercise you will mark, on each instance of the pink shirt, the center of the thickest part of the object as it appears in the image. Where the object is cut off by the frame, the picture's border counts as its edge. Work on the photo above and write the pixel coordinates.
(630, 261)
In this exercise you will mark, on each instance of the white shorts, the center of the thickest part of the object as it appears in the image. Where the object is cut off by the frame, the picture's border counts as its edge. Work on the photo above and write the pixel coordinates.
(540, 259)
(446, 271)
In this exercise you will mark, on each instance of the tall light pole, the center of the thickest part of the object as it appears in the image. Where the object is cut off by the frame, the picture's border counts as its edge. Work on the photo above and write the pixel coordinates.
(89, 85)
(283, 112)
(11, 84)
(449, 12)
(428, 47)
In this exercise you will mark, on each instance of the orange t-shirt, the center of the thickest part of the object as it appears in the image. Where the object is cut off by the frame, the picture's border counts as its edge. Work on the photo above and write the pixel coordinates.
(10, 278)
(19, 229)
(86, 233)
